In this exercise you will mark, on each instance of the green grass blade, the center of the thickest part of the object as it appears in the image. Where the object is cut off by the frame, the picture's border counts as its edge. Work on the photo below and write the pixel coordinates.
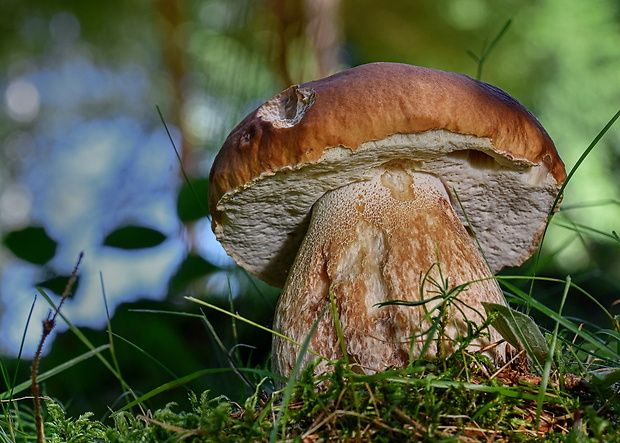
(171, 384)
(199, 200)
(585, 154)
(158, 311)
(547, 368)
(55, 371)
(146, 354)
(563, 321)
(231, 362)
(184, 380)
(339, 333)
(290, 385)
(480, 60)
(521, 392)
(250, 322)
(79, 334)
(5, 375)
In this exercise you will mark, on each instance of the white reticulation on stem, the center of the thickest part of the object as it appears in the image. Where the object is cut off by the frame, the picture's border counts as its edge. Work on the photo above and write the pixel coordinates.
(393, 238)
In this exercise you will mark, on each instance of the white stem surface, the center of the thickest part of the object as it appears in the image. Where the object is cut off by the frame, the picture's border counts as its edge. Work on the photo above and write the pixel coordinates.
(395, 237)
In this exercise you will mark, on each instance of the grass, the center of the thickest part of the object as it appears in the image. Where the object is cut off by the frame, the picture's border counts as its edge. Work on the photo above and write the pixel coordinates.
(571, 396)
(562, 384)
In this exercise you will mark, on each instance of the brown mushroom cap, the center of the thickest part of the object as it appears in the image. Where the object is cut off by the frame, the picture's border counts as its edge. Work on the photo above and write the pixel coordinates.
(489, 151)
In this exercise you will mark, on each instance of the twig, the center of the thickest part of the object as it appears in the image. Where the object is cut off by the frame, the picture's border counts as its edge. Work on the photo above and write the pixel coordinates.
(48, 326)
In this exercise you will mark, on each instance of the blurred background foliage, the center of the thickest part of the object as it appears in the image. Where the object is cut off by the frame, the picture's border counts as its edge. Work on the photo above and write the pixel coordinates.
(87, 165)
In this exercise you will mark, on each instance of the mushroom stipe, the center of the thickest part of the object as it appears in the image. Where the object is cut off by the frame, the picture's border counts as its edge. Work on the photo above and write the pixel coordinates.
(373, 242)
(349, 185)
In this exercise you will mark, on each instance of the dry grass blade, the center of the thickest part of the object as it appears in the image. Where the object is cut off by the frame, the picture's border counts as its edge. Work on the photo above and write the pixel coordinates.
(48, 326)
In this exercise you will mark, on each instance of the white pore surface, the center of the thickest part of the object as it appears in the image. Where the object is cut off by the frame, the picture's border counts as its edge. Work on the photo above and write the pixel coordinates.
(505, 200)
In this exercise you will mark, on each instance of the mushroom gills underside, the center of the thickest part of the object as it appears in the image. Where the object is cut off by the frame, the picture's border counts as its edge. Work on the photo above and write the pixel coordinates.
(393, 238)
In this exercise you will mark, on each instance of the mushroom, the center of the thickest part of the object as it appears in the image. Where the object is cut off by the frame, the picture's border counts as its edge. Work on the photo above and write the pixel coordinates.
(385, 182)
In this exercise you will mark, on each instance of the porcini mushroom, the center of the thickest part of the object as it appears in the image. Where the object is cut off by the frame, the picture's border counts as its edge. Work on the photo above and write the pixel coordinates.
(370, 185)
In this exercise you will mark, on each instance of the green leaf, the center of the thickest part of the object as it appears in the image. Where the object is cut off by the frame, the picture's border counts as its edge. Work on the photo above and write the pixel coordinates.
(31, 244)
(519, 330)
(191, 203)
(605, 378)
(409, 303)
(134, 237)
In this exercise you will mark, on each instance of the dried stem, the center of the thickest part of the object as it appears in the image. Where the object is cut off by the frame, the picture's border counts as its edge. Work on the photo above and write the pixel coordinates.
(48, 326)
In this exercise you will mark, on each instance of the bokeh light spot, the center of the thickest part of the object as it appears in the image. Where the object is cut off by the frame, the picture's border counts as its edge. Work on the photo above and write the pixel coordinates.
(64, 28)
(22, 101)
(467, 14)
(15, 206)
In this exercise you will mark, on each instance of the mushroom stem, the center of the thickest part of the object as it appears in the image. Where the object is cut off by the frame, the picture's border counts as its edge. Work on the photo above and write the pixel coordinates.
(395, 237)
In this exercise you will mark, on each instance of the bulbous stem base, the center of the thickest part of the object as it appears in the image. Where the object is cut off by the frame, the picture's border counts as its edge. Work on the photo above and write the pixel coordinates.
(394, 238)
